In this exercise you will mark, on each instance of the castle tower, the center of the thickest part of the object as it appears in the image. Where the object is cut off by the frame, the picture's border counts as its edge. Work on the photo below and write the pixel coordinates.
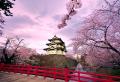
(56, 46)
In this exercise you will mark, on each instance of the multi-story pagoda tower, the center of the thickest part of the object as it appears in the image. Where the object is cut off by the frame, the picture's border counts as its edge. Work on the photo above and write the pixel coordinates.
(56, 46)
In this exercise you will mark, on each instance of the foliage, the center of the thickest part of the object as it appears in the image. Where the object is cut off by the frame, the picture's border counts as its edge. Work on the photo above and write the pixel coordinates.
(115, 72)
(103, 70)
(108, 70)
(5, 6)
(52, 60)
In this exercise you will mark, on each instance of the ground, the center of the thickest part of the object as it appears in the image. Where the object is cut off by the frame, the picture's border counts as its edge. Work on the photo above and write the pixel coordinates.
(12, 77)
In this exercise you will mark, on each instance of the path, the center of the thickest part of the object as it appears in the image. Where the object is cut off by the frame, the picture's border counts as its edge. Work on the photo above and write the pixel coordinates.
(12, 77)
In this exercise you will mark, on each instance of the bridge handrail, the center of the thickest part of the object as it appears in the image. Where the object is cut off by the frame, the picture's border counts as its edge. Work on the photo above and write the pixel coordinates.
(57, 73)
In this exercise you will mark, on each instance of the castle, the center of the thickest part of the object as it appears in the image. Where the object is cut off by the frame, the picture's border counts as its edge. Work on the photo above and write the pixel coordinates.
(55, 46)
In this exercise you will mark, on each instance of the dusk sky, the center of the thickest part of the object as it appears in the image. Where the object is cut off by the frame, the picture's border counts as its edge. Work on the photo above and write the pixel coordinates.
(36, 21)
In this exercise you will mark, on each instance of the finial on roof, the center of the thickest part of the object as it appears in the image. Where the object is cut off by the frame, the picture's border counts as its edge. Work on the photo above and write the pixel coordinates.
(55, 36)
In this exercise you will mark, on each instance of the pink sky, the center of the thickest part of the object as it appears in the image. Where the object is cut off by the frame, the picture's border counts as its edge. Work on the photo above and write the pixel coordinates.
(36, 21)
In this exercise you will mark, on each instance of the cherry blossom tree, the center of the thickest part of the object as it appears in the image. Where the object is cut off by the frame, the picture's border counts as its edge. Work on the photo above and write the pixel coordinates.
(10, 50)
(99, 35)
(24, 53)
(1, 23)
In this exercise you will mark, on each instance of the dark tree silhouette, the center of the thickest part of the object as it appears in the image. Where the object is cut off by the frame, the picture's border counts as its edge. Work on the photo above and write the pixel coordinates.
(5, 6)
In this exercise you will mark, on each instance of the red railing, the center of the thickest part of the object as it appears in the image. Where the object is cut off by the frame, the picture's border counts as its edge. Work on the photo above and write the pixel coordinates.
(58, 73)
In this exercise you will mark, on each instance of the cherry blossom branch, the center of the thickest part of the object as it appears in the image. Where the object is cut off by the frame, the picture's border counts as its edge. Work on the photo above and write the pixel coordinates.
(72, 5)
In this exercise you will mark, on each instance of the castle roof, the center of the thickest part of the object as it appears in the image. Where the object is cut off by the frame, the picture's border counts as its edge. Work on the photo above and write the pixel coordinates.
(58, 48)
(55, 38)
(60, 43)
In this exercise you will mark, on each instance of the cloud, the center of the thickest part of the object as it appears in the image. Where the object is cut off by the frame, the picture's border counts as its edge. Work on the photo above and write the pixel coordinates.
(36, 21)
(87, 7)
(44, 27)
(15, 21)
(57, 17)
(43, 7)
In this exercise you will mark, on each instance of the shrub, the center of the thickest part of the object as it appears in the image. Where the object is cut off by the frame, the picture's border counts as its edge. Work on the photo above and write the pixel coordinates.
(52, 60)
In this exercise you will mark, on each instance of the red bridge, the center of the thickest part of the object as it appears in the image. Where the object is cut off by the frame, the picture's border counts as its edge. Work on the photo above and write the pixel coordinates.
(58, 73)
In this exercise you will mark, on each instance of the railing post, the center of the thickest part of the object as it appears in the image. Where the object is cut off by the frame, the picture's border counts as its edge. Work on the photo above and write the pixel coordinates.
(109, 79)
(66, 74)
(21, 68)
(54, 72)
(15, 69)
(78, 76)
(36, 70)
(44, 71)
(28, 69)
(1, 66)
